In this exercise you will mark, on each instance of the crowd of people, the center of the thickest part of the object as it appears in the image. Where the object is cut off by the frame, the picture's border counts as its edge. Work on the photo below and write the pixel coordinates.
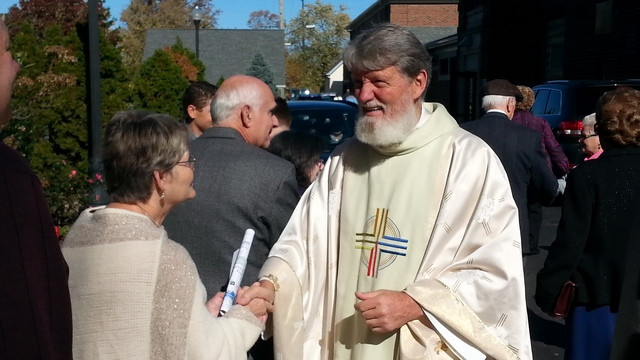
(407, 243)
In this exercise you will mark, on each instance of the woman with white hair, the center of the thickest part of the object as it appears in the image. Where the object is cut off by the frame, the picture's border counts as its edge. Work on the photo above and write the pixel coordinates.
(590, 141)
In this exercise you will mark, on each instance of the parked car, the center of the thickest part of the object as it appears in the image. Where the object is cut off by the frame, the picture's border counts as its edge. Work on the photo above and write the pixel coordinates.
(321, 96)
(332, 121)
(563, 103)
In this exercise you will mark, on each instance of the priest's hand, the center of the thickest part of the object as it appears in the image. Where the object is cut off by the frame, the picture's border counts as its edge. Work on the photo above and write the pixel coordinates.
(386, 310)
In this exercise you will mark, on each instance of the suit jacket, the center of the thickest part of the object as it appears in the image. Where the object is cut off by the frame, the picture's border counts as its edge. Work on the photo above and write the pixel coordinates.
(35, 309)
(556, 159)
(520, 151)
(596, 230)
(238, 186)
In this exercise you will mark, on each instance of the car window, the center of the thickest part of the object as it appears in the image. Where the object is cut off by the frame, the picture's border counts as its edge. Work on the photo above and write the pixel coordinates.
(553, 103)
(333, 126)
(542, 95)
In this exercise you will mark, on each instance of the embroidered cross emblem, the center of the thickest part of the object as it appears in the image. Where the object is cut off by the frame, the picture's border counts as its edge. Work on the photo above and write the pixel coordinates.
(381, 242)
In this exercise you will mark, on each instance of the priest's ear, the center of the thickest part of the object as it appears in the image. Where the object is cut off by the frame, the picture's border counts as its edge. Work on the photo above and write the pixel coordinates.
(419, 85)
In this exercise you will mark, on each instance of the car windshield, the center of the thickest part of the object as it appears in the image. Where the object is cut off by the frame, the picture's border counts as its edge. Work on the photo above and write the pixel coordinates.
(332, 125)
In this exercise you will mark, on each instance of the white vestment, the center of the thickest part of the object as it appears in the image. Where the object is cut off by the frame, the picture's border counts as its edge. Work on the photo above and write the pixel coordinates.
(434, 218)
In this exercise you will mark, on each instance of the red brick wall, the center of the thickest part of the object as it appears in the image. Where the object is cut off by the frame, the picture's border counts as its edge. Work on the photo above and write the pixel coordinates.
(424, 15)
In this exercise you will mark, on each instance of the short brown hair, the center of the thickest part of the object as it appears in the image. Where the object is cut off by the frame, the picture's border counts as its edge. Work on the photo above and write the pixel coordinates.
(618, 118)
(136, 144)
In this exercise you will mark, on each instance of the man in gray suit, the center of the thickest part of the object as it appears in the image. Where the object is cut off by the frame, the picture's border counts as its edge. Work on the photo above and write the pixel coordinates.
(238, 184)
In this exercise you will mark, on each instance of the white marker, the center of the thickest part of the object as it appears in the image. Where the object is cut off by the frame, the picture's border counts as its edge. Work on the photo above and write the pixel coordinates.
(238, 265)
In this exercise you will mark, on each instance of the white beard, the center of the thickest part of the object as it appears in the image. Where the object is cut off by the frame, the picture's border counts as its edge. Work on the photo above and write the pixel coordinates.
(384, 131)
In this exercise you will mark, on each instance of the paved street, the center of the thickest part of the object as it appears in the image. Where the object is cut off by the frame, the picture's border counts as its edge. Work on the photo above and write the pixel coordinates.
(547, 333)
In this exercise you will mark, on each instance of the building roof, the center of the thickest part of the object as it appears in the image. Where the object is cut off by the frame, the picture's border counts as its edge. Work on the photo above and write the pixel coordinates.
(429, 34)
(226, 52)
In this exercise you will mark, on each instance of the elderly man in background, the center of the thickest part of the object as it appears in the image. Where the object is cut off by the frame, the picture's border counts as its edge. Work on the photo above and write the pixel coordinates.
(519, 149)
(35, 309)
(240, 186)
(396, 249)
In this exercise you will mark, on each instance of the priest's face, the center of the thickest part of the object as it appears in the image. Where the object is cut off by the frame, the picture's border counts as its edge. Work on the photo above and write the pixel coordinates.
(390, 105)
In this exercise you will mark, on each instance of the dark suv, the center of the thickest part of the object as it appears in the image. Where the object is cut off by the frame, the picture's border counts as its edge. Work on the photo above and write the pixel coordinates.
(331, 121)
(563, 103)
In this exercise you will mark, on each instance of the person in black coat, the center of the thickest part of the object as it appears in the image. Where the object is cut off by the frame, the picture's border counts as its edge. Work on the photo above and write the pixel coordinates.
(519, 149)
(596, 231)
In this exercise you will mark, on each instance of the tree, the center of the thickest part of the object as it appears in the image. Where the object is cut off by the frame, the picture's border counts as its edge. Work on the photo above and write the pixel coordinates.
(163, 78)
(263, 19)
(317, 37)
(49, 123)
(142, 15)
(261, 70)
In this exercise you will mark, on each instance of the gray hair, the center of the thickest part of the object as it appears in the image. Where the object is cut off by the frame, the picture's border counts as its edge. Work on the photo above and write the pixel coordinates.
(589, 120)
(228, 99)
(495, 101)
(136, 144)
(388, 45)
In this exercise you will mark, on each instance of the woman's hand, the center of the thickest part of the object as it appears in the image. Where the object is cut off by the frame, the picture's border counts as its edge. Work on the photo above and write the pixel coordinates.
(214, 304)
(258, 299)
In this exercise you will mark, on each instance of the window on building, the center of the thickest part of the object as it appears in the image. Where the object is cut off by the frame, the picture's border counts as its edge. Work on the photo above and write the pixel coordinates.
(444, 66)
(604, 17)
(555, 49)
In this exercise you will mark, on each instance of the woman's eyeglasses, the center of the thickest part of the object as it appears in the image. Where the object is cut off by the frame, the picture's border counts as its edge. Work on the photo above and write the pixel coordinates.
(191, 163)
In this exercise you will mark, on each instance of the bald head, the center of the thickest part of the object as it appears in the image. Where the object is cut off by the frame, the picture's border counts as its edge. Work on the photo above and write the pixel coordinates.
(245, 103)
(8, 71)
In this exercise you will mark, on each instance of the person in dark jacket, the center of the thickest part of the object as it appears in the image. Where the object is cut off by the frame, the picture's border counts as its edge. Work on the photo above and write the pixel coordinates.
(596, 230)
(556, 159)
(35, 309)
(519, 149)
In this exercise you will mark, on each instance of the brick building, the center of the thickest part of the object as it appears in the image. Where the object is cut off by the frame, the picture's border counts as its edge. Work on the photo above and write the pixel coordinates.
(429, 20)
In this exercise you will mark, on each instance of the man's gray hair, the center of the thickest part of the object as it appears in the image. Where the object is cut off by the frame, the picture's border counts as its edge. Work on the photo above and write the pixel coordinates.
(388, 45)
(495, 101)
(228, 99)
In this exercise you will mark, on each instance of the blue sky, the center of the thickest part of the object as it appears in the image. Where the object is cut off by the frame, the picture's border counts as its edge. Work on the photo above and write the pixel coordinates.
(235, 13)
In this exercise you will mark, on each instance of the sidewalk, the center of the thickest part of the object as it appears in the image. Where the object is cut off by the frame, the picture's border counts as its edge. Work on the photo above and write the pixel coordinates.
(547, 333)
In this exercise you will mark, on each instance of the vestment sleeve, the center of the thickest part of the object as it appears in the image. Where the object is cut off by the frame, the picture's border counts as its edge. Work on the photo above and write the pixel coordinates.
(472, 277)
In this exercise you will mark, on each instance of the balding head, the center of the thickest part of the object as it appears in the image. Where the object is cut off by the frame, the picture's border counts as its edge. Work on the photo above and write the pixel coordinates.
(244, 103)
(8, 71)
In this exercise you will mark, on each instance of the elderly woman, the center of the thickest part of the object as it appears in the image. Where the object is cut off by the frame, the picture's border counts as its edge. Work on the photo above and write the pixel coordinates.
(590, 141)
(136, 294)
(600, 208)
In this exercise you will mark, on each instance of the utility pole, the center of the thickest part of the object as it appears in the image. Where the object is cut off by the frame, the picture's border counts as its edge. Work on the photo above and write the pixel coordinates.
(98, 194)
(281, 14)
